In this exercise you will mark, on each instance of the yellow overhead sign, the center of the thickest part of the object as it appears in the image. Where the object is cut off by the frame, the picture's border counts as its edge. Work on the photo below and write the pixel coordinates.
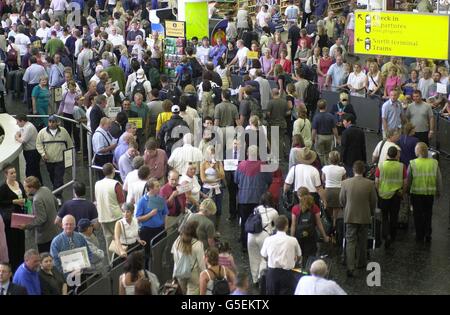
(402, 34)
(175, 29)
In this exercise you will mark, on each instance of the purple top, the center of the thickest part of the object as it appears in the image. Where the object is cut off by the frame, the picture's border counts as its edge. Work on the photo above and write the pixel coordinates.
(68, 103)
(407, 145)
(266, 64)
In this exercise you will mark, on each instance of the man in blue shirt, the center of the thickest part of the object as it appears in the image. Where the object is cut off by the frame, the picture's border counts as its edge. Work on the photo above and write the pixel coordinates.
(336, 73)
(217, 51)
(151, 214)
(27, 274)
(324, 131)
(391, 113)
(67, 240)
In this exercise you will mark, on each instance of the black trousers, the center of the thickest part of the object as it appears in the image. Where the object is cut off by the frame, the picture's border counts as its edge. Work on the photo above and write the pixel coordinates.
(67, 124)
(423, 210)
(279, 282)
(148, 234)
(30, 88)
(422, 136)
(306, 16)
(245, 210)
(390, 209)
(56, 174)
(32, 161)
(44, 247)
(232, 191)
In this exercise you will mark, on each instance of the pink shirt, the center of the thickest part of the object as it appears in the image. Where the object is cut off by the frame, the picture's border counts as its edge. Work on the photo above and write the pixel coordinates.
(392, 83)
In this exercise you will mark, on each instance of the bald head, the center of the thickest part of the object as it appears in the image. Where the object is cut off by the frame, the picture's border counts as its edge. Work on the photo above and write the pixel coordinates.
(319, 268)
(68, 224)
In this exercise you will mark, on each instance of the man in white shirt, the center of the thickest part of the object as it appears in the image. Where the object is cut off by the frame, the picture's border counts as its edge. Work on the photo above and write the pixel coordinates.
(356, 81)
(338, 43)
(27, 136)
(316, 284)
(261, 17)
(306, 175)
(241, 56)
(22, 40)
(281, 252)
(203, 51)
(58, 7)
(114, 38)
(182, 156)
(292, 13)
(43, 32)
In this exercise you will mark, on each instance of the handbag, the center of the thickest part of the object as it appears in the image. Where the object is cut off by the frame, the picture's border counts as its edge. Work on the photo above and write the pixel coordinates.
(290, 197)
(370, 174)
(113, 247)
(171, 287)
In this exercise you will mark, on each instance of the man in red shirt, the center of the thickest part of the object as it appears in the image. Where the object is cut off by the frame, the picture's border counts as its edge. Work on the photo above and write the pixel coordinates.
(175, 202)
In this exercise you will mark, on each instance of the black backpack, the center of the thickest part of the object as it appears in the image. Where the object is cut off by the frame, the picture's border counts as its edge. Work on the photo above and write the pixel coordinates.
(177, 127)
(220, 284)
(139, 88)
(185, 76)
(197, 69)
(312, 95)
(172, 93)
(217, 95)
(253, 224)
(306, 225)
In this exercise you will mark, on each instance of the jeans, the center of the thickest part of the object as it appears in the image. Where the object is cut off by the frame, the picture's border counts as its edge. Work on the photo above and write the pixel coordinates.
(356, 245)
(32, 161)
(56, 173)
(423, 210)
(390, 208)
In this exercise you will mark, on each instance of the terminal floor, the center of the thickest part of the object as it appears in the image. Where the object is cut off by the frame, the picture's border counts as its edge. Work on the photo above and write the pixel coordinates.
(406, 268)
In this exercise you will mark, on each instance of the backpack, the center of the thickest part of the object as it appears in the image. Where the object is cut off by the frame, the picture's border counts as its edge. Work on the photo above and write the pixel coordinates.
(185, 76)
(255, 108)
(312, 95)
(306, 225)
(197, 69)
(220, 284)
(139, 88)
(172, 93)
(168, 140)
(253, 224)
(185, 265)
(217, 95)
(11, 56)
(153, 77)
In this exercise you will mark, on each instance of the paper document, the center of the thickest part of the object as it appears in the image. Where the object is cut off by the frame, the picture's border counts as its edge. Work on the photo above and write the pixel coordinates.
(74, 259)
(441, 88)
(230, 165)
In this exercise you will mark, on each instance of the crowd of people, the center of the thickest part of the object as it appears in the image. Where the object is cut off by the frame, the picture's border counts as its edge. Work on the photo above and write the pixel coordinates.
(165, 156)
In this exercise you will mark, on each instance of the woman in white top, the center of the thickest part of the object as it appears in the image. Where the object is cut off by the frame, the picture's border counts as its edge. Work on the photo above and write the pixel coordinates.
(126, 231)
(212, 174)
(315, 57)
(134, 271)
(214, 270)
(302, 126)
(255, 241)
(332, 176)
(356, 81)
(187, 244)
(374, 80)
(193, 196)
(136, 189)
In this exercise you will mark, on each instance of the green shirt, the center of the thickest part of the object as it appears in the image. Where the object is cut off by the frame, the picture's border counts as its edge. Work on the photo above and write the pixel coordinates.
(53, 45)
(116, 74)
(205, 228)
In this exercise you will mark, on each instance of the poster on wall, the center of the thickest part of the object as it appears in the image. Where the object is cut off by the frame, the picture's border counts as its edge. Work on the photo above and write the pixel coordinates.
(197, 23)
(219, 31)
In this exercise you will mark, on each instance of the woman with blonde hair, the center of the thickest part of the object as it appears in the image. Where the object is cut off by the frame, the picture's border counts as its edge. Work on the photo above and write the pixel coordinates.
(374, 80)
(165, 115)
(190, 247)
(392, 81)
(302, 126)
(212, 174)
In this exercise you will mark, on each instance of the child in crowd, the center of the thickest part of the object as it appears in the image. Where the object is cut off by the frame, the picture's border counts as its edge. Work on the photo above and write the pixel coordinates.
(226, 258)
